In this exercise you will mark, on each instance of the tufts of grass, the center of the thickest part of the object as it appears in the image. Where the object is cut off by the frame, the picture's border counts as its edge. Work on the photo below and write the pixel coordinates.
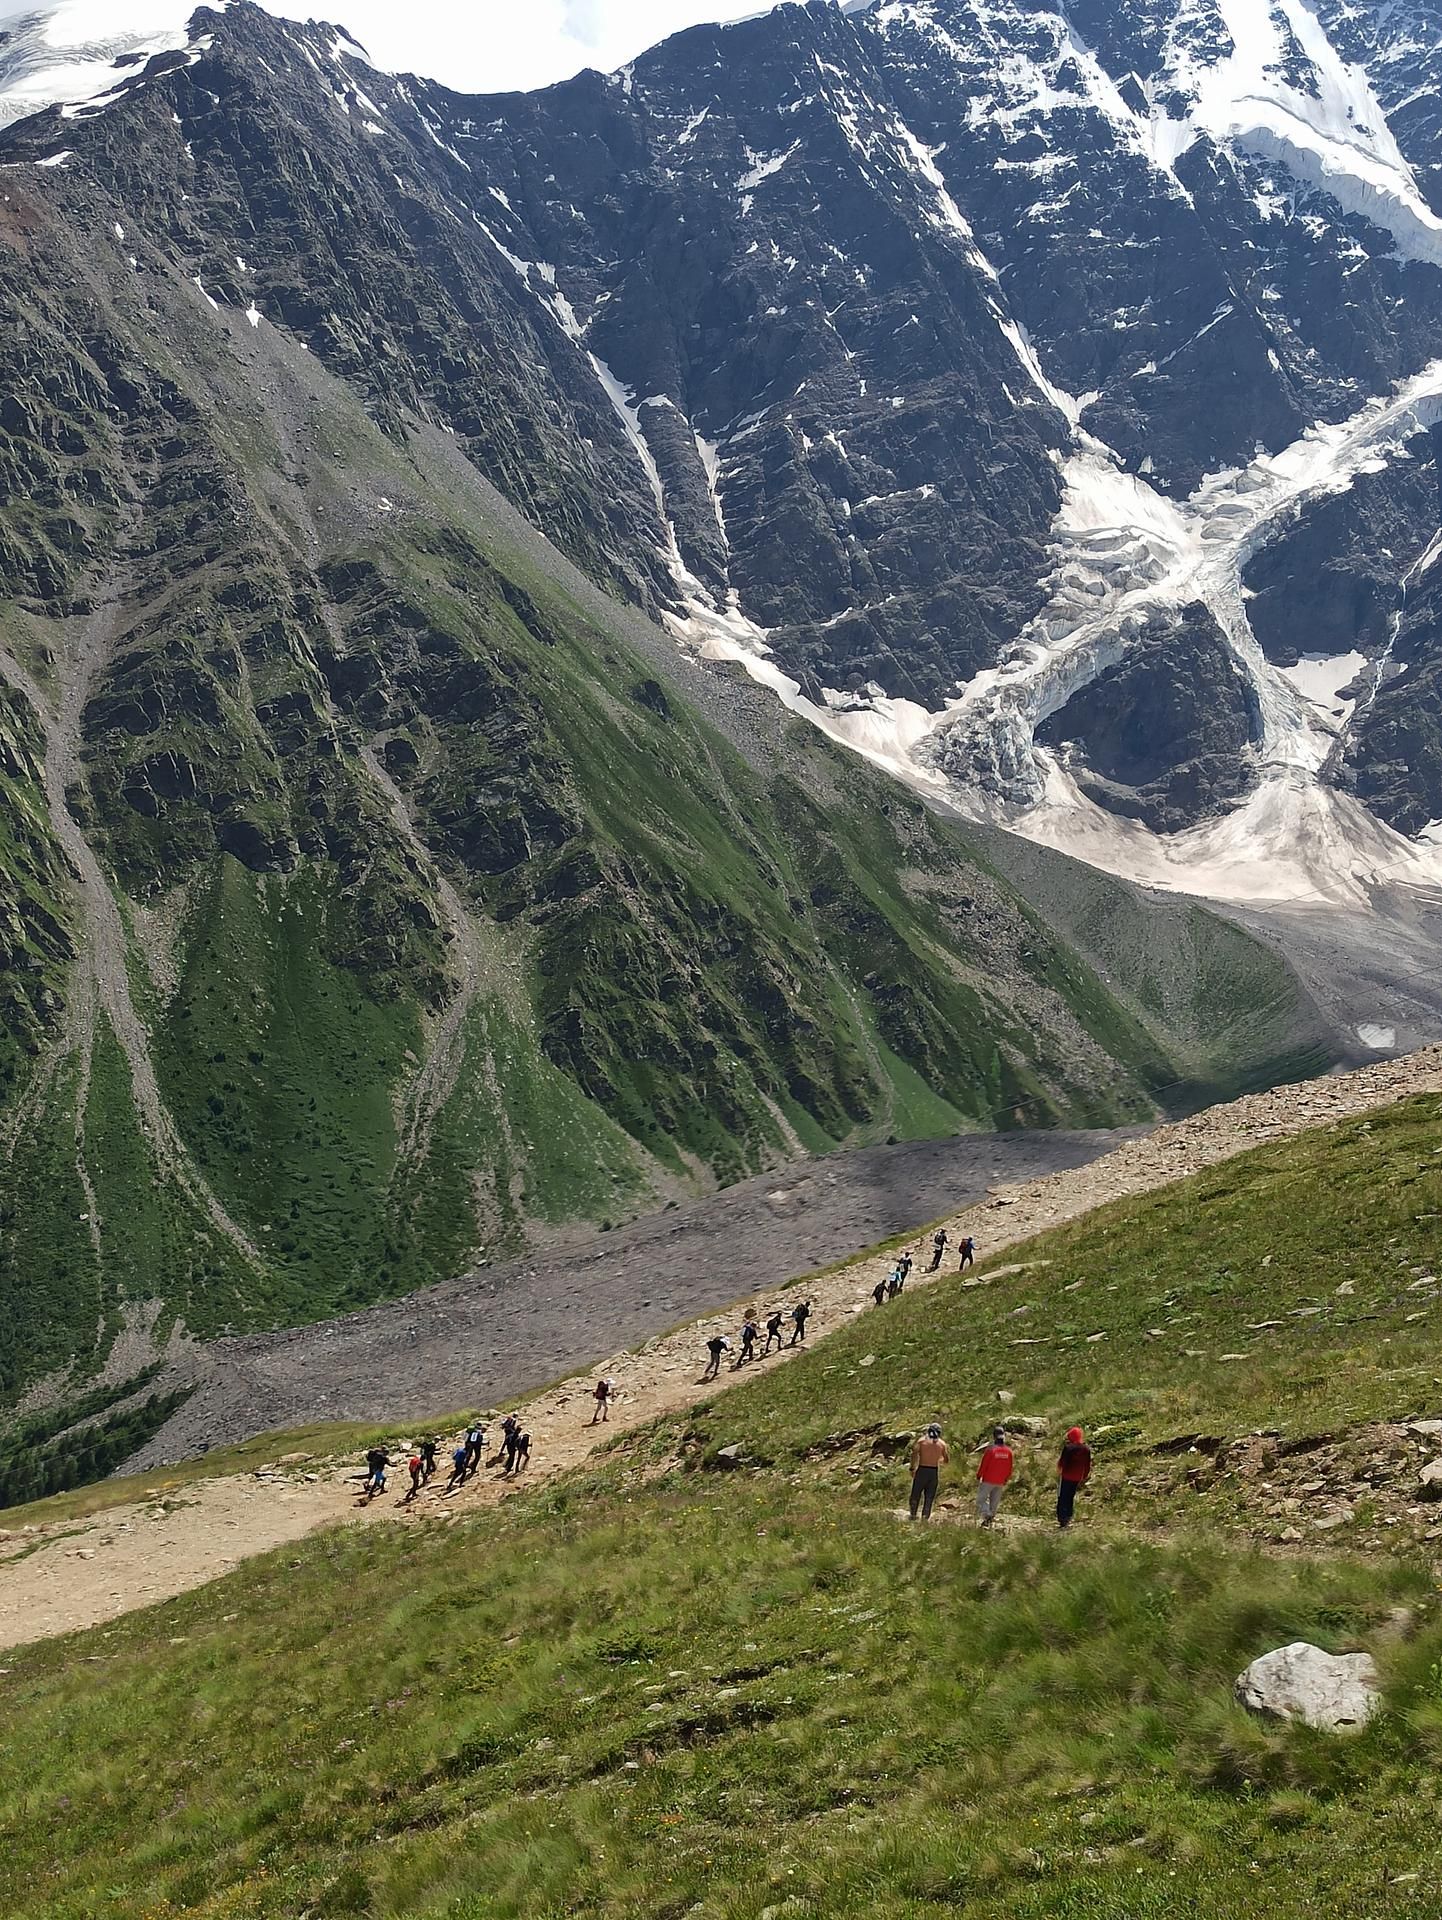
(719, 1695)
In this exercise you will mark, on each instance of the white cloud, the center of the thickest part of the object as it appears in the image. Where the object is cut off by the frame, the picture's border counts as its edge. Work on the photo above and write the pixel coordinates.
(486, 46)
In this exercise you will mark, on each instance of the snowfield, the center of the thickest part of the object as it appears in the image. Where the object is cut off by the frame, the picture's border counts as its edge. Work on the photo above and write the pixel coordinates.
(1124, 551)
(68, 56)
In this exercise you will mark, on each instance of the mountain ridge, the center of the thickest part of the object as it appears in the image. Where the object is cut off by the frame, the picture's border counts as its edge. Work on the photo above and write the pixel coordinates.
(384, 893)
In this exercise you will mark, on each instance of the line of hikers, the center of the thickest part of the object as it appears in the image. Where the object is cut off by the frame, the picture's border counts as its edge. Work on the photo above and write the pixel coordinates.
(718, 1346)
(892, 1283)
(466, 1459)
(930, 1453)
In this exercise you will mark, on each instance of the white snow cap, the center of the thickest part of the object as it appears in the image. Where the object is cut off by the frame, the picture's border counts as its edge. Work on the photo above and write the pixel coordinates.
(68, 55)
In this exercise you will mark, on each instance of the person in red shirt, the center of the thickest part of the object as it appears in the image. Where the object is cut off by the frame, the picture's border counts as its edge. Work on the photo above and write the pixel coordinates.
(992, 1475)
(1075, 1467)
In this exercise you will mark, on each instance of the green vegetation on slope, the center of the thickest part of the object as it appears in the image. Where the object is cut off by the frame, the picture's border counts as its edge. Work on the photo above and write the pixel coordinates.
(82, 1441)
(35, 920)
(1223, 1010)
(1210, 1307)
(653, 1689)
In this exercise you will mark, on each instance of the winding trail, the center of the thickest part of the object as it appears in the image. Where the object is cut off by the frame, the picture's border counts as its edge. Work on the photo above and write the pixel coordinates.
(80, 1572)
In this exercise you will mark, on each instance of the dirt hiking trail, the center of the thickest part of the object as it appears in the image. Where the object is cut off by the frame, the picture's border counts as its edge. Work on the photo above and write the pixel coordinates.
(80, 1572)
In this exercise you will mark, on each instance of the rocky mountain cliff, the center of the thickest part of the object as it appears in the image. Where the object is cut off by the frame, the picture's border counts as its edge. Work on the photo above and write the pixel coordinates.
(928, 358)
(396, 861)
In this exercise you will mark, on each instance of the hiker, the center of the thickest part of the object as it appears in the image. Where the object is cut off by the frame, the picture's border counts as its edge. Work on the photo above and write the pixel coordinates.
(715, 1346)
(929, 1454)
(511, 1428)
(377, 1460)
(417, 1468)
(904, 1266)
(894, 1283)
(749, 1334)
(428, 1462)
(1075, 1467)
(475, 1447)
(938, 1248)
(968, 1254)
(604, 1390)
(997, 1464)
(458, 1468)
(773, 1332)
(878, 1292)
(800, 1314)
(522, 1454)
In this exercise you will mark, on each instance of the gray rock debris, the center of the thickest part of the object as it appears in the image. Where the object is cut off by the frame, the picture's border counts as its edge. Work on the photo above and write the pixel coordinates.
(1301, 1682)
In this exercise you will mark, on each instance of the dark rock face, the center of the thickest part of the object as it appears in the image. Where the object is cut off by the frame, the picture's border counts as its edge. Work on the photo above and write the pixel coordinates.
(1330, 582)
(1353, 575)
(748, 238)
(792, 322)
(1392, 753)
(1165, 736)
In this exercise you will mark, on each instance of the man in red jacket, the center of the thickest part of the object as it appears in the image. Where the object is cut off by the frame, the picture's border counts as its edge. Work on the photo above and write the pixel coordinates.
(1075, 1467)
(992, 1475)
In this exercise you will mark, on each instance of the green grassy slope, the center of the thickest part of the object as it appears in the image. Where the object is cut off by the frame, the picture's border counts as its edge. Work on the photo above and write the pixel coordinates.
(1224, 1008)
(658, 1689)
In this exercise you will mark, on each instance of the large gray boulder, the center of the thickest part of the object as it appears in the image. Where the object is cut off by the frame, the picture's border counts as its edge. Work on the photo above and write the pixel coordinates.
(1301, 1682)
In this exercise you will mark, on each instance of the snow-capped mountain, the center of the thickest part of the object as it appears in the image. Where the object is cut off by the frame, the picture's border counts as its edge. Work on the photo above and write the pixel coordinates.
(1040, 400)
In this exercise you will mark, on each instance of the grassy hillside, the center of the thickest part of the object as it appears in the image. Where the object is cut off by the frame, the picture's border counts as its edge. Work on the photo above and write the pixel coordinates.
(1215, 999)
(659, 1689)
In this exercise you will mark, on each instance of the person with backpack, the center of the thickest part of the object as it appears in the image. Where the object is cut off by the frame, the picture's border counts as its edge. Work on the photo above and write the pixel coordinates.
(773, 1332)
(522, 1454)
(605, 1388)
(458, 1468)
(417, 1467)
(800, 1314)
(938, 1248)
(878, 1292)
(428, 1462)
(510, 1438)
(904, 1266)
(1074, 1468)
(997, 1465)
(749, 1334)
(929, 1454)
(377, 1460)
(968, 1254)
(716, 1346)
(475, 1447)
